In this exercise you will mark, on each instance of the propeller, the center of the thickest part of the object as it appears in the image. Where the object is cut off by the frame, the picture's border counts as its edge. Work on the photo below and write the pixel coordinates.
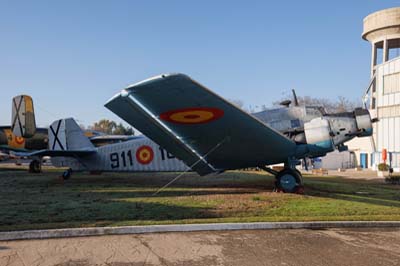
(296, 102)
(287, 103)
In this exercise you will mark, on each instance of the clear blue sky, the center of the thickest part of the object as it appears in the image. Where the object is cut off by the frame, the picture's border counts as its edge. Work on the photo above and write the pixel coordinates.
(72, 56)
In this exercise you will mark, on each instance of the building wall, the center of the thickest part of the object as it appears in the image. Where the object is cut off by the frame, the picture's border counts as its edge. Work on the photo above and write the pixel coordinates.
(335, 160)
(387, 108)
(361, 146)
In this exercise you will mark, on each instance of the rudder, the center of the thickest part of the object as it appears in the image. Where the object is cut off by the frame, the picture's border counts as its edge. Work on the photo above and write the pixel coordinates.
(23, 117)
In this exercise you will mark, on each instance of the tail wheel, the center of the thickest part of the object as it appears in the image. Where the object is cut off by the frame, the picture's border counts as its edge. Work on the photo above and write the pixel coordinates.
(289, 181)
(67, 174)
(35, 167)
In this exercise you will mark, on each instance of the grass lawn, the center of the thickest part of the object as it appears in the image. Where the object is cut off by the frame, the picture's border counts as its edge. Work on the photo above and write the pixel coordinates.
(34, 201)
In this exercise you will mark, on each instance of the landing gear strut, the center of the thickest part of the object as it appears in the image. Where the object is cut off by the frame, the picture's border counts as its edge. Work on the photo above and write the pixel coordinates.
(288, 180)
(35, 166)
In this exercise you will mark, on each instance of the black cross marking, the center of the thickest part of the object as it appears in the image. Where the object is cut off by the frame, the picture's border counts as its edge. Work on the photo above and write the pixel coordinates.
(17, 118)
(56, 139)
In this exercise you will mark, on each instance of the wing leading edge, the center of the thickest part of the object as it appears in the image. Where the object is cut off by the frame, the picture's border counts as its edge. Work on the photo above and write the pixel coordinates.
(199, 127)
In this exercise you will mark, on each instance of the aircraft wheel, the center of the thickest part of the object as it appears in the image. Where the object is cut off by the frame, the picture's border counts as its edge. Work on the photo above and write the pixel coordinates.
(35, 167)
(67, 174)
(289, 181)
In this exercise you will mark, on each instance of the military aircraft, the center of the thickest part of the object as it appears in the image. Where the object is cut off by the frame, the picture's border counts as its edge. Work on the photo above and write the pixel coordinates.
(23, 137)
(211, 135)
(23, 134)
(69, 147)
(11, 142)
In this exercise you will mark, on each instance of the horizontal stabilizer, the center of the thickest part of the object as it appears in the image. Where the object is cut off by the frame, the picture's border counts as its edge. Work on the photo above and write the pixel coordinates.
(42, 153)
(66, 139)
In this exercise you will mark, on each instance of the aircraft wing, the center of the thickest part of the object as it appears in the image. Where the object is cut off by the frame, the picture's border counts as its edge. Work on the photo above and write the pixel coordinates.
(199, 127)
(8, 148)
(57, 153)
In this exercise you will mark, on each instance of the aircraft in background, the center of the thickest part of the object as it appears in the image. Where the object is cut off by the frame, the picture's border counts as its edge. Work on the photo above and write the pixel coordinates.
(23, 137)
(11, 142)
(69, 147)
(5, 156)
(101, 139)
(212, 135)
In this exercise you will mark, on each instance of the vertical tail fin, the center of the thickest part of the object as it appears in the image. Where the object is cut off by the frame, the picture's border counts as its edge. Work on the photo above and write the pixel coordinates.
(66, 135)
(23, 117)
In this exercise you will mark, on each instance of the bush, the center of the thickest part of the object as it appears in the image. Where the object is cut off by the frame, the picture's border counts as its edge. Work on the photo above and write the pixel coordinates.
(393, 179)
(383, 167)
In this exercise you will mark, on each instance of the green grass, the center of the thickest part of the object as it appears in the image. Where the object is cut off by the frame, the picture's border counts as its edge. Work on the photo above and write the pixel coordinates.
(33, 201)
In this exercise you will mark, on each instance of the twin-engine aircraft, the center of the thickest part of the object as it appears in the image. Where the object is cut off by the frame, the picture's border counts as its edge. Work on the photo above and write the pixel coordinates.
(23, 135)
(212, 135)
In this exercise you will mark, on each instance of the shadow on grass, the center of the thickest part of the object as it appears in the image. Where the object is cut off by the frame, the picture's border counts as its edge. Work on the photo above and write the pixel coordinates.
(31, 200)
(105, 213)
(172, 192)
(363, 191)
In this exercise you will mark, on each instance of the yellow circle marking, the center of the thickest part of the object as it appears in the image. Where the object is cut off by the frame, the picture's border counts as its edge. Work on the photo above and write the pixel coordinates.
(144, 155)
(19, 140)
(195, 116)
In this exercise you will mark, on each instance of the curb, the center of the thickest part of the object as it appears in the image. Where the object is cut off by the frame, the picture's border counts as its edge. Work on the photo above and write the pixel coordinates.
(100, 231)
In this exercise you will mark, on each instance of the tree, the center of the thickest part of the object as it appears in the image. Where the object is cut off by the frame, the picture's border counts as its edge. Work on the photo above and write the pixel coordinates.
(344, 105)
(112, 128)
(238, 103)
(104, 125)
(121, 130)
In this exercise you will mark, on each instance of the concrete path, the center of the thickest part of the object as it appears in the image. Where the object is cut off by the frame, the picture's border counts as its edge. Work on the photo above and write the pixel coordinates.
(258, 247)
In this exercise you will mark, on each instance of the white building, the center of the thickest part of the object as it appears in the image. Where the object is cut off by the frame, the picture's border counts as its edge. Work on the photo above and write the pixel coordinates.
(382, 30)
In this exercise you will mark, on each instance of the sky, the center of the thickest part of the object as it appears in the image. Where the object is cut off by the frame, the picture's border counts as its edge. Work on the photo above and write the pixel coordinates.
(72, 56)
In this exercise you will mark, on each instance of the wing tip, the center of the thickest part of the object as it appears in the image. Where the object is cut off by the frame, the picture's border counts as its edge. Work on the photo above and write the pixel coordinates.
(127, 90)
(157, 78)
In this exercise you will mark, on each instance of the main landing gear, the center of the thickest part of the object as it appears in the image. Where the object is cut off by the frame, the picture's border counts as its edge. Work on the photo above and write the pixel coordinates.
(288, 180)
(35, 166)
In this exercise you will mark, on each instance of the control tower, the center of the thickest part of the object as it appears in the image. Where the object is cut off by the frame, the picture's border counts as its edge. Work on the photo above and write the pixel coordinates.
(382, 30)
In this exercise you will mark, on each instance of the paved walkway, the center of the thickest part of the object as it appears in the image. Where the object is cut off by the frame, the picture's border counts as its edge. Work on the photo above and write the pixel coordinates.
(259, 247)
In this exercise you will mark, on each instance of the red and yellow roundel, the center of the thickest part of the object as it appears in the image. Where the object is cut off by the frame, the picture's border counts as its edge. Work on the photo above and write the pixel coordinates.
(196, 115)
(19, 140)
(144, 154)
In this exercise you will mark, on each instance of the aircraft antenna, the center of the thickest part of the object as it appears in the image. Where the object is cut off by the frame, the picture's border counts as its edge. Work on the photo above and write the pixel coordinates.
(190, 168)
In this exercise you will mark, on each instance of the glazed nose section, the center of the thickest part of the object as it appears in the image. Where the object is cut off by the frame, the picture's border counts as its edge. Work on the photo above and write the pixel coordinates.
(363, 121)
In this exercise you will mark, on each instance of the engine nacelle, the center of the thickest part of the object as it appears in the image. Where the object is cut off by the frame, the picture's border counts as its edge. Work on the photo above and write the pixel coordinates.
(318, 135)
(363, 121)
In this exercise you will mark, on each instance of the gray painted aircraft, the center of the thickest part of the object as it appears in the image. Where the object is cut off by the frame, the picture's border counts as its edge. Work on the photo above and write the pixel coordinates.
(69, 147)
(212, 135)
